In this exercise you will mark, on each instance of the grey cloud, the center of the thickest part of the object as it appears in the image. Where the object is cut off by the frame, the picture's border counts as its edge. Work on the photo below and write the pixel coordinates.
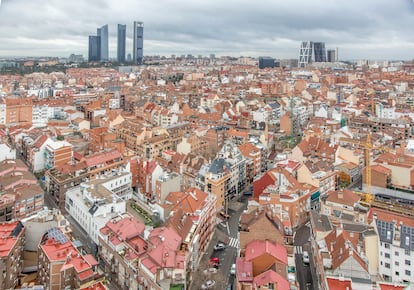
(361, 29)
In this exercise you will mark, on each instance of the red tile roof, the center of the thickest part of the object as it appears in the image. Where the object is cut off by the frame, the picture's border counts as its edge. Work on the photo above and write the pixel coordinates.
(388, 286)
(125, 228)
(339, 284)
(258, 248)
(271, 276)
(102, 157)
(95, 286)
(244, 270)
(7, 241)
(388, 216)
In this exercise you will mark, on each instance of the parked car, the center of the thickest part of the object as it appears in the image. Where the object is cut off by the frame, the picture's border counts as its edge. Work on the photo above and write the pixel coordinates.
(305, 257)
(210, 271)
(233, 269)
(208, 284)
(219, 246)
(224, 215)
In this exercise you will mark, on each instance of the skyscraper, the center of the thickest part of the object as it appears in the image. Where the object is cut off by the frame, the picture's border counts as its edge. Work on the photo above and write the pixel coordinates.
(138, 45)
(319, 51)
(121, 43)
(94, 48)
(331, 55)
(305, 53)
(103, 33)
(311, 52)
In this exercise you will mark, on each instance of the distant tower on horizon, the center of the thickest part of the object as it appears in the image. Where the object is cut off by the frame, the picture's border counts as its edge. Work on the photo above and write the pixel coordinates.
(121, 43)
(94, 53)
(331, 55)
(103, 33)
(311, 52)
(138, 42)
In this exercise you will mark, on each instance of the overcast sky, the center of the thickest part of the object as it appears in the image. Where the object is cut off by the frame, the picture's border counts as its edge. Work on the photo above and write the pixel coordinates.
(361, 29)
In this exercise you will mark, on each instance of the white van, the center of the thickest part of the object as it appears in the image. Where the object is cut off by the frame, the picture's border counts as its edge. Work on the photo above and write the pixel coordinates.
(305, 257)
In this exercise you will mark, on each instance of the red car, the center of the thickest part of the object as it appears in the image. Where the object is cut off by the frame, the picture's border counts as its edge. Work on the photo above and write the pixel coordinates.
(215, 261)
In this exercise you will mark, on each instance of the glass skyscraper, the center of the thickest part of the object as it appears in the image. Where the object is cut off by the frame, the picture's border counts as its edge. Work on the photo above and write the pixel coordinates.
(94, 48)
(138, 44)
(121, 43)
(103, 33)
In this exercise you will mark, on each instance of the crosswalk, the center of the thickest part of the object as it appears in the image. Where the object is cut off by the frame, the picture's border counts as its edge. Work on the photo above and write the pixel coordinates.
(234, 242)
(298, 250)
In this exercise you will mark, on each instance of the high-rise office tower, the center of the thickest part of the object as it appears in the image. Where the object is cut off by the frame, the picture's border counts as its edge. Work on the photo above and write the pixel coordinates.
(103, 33)
(319, 51)
(305, 53)
(94, 48)
(138, 44)
(331, 55)
(311, 52)
(121, 43)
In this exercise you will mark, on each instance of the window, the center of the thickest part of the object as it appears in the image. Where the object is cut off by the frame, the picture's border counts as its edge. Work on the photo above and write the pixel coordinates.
(408, 272)
(386, 245)
(407, 252)
(397, 273)
(396, 253)
(397, 263)
(387, 255)
(387, 265)
(408, 262)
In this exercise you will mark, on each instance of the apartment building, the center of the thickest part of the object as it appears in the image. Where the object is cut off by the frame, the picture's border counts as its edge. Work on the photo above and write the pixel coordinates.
(61, 265)
(11, 253)
(18, 110)
(395, 245)
(57, 153)
(191, 143)
(193, 216)
(22, 196)
(93, 203)
(101, 139)
(122, 242)
(225, 176)
(264, 266)
(138, 258)
(59, 180)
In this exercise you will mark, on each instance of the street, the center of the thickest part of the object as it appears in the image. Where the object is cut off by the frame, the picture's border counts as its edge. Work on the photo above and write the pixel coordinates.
(228, 233)
(303, 271)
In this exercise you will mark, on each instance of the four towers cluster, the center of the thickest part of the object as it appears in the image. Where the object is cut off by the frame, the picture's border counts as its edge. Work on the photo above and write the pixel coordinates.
(98, 44)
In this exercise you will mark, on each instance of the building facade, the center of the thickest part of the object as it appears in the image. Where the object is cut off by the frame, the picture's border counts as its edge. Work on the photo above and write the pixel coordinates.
(94, 48)
(11, 255)
(138, 42)
(103, 34)
(121, 43)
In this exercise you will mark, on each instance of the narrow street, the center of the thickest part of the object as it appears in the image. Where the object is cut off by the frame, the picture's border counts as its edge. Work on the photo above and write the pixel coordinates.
(303, 271)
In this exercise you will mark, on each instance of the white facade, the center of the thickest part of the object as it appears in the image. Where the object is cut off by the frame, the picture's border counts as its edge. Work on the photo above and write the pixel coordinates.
(6, 152)
(3, 109)
(94, 203)
(395, 252)
(114, 103)
(38, 157)
(40, 114)
(260, 115)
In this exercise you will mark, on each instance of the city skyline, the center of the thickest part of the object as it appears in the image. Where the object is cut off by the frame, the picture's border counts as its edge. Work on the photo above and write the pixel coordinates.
(361, 30)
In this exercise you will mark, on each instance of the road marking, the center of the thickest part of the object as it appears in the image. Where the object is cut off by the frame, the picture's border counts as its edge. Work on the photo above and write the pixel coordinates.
(298, 250)
(234, 242)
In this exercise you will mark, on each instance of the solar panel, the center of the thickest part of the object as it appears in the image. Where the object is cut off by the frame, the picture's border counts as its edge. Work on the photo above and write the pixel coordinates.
(57, 235)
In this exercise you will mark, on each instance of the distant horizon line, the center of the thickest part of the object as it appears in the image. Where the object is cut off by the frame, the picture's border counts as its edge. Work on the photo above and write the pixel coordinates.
(114, 58)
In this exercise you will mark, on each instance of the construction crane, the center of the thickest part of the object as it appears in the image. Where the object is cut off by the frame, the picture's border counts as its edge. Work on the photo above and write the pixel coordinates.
(372, 94)
(367, 145)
